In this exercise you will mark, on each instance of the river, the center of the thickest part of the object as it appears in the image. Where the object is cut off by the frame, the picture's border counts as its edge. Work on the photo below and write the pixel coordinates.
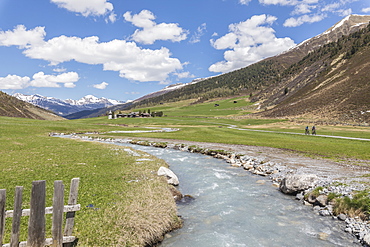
(232, 207)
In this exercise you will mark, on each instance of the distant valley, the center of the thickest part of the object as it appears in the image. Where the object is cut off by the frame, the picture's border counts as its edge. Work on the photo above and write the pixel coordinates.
(69, 106)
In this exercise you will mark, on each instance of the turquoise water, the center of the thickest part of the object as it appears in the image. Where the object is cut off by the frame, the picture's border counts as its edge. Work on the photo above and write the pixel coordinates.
(235, 208)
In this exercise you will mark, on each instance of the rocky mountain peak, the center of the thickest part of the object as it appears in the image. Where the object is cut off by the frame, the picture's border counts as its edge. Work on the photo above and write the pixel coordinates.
(346, 26)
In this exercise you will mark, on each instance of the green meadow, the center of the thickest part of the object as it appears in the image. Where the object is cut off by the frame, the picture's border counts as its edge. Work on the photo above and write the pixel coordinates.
(118, 194)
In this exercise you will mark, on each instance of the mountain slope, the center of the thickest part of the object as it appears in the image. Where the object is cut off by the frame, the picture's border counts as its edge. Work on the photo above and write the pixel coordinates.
(330, 84)
(13, 107)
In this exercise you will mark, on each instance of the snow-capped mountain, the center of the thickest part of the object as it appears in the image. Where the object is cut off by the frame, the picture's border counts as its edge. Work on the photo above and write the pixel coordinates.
(69, 106)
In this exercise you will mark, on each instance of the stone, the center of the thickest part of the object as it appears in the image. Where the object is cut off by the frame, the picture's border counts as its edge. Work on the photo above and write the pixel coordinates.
(171, 177)
(293, 184)
(299, 196)
(366, 239)
(342, 217)
(324, 212)
(322, 200)
(323, 236)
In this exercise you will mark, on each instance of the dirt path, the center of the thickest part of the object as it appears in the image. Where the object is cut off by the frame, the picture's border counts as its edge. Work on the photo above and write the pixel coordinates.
(292, 133)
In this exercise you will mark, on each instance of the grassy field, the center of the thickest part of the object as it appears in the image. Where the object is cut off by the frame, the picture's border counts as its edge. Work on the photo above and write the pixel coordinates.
(206, 123)
(116, 210)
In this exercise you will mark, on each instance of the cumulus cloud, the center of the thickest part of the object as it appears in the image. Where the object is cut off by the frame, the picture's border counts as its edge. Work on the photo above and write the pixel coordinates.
(294, 22)
(85, 7)
(249, 42)
(67, 79)
(198, 34)
(102, 85)
(21, 37)
(132, 62)
(151, 31)
(39, 80)
(14, 82)
(366, 10)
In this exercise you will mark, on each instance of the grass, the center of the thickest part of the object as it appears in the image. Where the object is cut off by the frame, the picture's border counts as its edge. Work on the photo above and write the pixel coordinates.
(214, 130)
(106, 194)
(359, 205)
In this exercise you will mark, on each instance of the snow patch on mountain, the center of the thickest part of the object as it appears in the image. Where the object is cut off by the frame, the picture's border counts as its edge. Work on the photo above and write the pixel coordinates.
(69, 106)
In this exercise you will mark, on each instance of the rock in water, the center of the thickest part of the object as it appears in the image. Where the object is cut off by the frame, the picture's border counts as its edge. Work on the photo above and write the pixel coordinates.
(171, 177)
(293, 184)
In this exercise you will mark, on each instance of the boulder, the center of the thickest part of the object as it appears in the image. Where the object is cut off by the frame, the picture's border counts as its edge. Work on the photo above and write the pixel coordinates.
(322, 200)
(343, 217)
(171, 177)
(293, 184)
(367, 239)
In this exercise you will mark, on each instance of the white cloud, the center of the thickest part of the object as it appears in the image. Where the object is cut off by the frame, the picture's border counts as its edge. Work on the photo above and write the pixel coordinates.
(14, 82)
(112, 18)
(39, 80)
(303, 9)
(59, 70)
(345, 12)
(22, 37)
(102, 85)
(132, 62)
(42, 80)
(85, 7)
(294, 22)
(184, 75)
(366, 10)
(152, 31)
(331, 7)
(249, 42)
(133, 93)
(198, 34)
(244, 2)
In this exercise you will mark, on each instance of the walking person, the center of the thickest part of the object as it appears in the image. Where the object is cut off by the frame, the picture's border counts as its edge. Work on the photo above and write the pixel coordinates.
(313, 130)
(307, 132)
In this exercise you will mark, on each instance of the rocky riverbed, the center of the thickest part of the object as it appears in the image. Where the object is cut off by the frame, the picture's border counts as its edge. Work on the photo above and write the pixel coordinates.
(293, 173)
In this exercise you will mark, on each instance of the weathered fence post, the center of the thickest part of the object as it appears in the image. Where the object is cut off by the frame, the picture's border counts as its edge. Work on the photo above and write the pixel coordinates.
(2, 214)
(36, 226)
(17, 213)
(36, 213)
(72, 200)
(58, 208)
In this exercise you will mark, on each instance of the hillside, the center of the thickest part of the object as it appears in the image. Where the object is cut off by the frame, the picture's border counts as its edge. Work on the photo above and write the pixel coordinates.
(330, 84)
(320, 78)
(13, 107)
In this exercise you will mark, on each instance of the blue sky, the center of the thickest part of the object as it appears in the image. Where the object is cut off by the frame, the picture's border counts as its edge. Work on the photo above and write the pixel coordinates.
(122, 50)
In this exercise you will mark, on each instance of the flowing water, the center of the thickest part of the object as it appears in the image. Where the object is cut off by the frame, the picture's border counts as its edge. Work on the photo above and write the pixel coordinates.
(232, 207)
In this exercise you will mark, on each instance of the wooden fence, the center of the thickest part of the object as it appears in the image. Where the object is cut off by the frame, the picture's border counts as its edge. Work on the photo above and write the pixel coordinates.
(36, 213)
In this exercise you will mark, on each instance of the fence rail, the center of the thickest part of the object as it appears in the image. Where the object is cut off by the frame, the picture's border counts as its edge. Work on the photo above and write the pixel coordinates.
(36, 213)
